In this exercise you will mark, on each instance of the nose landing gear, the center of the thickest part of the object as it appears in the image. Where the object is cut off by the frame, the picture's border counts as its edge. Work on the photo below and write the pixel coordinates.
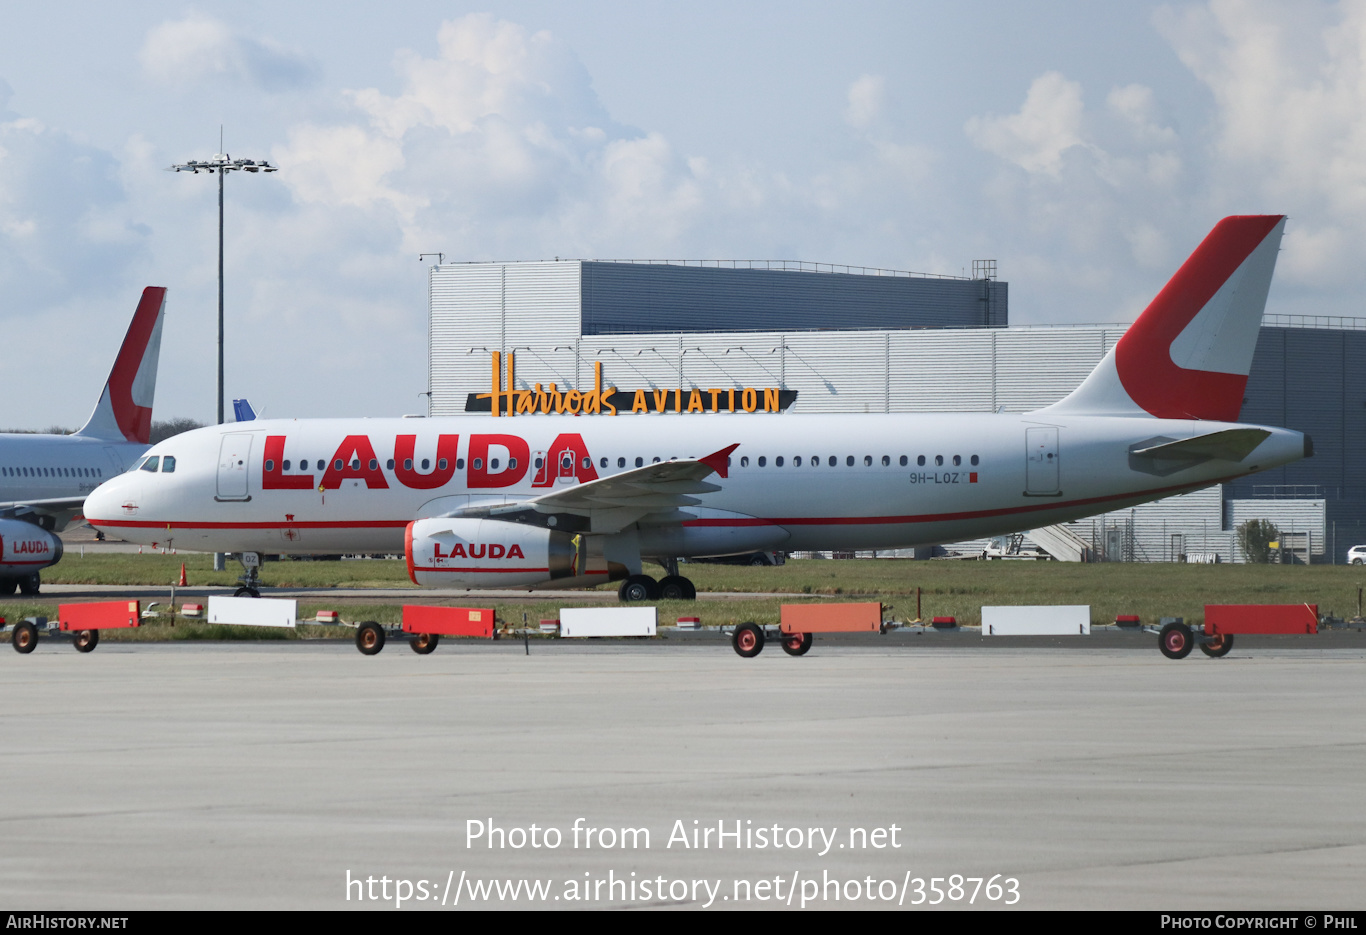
(251, 574)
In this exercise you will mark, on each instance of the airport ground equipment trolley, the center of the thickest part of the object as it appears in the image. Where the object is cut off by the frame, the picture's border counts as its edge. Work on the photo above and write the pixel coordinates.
(1176, 638)
(799, 622)
(424, 626)
(82, 623)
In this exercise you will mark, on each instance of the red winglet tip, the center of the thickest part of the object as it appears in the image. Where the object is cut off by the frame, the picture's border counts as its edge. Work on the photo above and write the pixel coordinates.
(719, 461)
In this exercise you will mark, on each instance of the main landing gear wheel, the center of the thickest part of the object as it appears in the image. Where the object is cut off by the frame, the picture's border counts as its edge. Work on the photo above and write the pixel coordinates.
(748, 640)
(24, 637)
(638, 588)
(423, 643)
(1176, 641)
(1219, 646)
(246, 592)
(369, 638)
(86, 640)
(7, 586)
(677, 588)
(796, 644)
(29, 584)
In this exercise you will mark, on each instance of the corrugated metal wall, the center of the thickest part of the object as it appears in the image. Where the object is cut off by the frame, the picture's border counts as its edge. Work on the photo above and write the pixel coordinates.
(1292, 516)
(1303, 378)
(630, 298)
(1164, 530)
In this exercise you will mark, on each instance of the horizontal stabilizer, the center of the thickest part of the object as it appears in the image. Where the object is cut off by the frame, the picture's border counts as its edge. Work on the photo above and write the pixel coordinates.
(1229, 445)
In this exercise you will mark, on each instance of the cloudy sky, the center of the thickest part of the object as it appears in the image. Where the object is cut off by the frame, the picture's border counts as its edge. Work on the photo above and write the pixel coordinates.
(1086, 147)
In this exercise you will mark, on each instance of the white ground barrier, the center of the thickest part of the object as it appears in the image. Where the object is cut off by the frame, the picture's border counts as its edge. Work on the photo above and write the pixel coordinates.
(252, 611)
(607, 621)
(1040, 620)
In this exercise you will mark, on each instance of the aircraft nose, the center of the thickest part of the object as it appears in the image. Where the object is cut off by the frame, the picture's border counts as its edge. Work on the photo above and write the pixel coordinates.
(110, 500)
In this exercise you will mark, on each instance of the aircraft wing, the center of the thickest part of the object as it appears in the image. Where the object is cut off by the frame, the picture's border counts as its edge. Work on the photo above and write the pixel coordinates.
(654, 493)
(61, 509)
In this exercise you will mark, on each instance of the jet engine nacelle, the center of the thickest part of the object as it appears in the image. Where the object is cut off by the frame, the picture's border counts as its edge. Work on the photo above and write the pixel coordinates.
(26, 548)
(486, 553)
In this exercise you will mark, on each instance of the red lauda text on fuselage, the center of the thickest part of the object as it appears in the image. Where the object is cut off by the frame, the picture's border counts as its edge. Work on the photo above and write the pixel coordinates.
(355, 458)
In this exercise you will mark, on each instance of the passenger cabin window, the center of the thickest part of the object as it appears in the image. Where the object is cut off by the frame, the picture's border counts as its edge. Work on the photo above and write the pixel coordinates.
(151, 464)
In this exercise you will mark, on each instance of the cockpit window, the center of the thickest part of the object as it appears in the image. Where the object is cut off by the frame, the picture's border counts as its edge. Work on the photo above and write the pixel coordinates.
(168, 464)
(150, 464)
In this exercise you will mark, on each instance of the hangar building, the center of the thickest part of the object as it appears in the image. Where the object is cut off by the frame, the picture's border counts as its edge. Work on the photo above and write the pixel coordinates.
(851, 339)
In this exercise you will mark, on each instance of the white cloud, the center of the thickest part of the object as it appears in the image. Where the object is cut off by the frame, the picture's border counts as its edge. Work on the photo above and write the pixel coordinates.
(1046, 126)
(1137, 107)
(866, 100)
(187, 51)
(1289, 89)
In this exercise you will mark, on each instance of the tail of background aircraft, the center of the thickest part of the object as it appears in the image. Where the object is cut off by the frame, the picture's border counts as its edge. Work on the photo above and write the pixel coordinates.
(242, 410)
(124, 412)
(1188, 355)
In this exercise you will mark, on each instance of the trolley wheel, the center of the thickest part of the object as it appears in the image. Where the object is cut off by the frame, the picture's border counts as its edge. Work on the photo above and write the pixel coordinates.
(796, 644)
(677, 588)
(369, 638)
(423, 643)
(246, 592)
(24, 637)
(86, 640)
(1219, 646)
(1176, 641)
(638, 588)
(748, 640)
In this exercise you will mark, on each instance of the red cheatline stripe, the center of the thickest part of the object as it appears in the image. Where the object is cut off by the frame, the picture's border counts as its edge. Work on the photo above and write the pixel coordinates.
(338, 524)
(481, 570)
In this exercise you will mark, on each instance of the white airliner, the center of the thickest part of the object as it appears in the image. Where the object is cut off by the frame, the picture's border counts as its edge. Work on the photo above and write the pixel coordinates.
(549, 501)
(45, 479)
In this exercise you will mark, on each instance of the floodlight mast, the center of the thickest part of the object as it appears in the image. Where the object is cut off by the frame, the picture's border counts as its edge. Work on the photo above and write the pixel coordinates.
(222, 164)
